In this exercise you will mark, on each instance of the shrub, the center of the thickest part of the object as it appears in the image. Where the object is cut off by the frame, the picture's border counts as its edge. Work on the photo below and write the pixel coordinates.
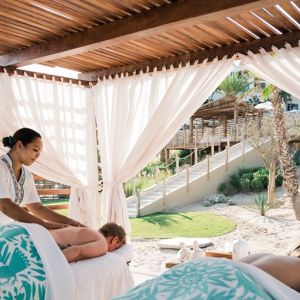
(222, 188)
(257, 183)
(278, 180)
(207, 203)
(245, 184)
(261, 202)
(234, 180)
(296, 157)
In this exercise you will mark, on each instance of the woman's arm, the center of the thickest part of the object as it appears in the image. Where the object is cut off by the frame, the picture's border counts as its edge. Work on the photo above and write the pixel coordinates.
(47, 214)
(15, 212)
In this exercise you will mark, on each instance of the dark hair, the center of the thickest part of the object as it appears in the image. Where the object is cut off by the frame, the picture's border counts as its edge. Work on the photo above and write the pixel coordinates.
(295, 251)
(112, 229)
(25, 135)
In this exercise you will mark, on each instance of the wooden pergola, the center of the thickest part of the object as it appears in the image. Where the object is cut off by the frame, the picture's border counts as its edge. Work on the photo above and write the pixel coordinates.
(105, 37)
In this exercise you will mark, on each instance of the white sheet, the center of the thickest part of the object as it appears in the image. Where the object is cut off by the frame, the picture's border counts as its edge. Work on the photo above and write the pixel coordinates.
(101, 278)
(60, 283)
(98, 278)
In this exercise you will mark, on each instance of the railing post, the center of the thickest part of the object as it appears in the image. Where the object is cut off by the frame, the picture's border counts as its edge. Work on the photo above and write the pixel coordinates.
(226, 158)
(164, 192)
(177, 163)
(207, 137)
(212, 147)
(196, 156)
(133, 185)
(243, 142)
(138, 204)
(207, 167)
(187, 178)
(184, 137)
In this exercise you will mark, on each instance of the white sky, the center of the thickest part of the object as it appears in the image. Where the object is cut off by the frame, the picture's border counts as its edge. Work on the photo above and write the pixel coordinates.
(58, 71)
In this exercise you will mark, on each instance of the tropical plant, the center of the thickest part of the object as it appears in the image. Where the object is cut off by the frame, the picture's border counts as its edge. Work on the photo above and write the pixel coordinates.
(236, 83)
(261, 202)
(285, 158)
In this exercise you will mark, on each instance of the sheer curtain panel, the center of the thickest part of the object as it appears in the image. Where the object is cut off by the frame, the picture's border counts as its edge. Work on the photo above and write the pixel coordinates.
(63, 114)
(280, 67)
(138, 115)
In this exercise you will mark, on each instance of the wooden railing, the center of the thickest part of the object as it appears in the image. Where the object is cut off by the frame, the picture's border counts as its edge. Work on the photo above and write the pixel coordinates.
(201, 138)
(48, 188)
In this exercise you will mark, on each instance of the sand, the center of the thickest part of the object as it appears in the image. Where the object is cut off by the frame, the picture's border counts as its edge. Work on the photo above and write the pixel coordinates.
(274, 233)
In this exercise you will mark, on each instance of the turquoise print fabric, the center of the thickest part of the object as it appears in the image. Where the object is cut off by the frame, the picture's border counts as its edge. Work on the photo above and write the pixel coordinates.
(22, 274)
(216, 279)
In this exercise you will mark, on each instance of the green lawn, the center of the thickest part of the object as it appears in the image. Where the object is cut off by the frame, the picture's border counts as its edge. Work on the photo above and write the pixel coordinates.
(190, 224)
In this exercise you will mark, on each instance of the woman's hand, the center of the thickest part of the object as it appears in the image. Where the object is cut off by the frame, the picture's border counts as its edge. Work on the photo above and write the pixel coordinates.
(52, 226)
(75, 223)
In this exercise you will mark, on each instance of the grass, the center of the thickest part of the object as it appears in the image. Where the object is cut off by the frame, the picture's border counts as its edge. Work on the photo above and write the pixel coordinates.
(190, 224)
(63, 212)
(55, 201)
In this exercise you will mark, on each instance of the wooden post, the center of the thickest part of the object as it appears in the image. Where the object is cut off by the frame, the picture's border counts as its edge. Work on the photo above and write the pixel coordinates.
(191, 130)
(133, 185)
(187, 178)
(184, 137)
(228, 142)
(226, 158)
(177, 163)
(138, 204)
(196, 156)
(164, 192)
(207, 167)
(207, 136)
(212, 147)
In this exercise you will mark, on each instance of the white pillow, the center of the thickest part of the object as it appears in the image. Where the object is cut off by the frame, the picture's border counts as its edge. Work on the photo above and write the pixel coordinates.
(126, 251)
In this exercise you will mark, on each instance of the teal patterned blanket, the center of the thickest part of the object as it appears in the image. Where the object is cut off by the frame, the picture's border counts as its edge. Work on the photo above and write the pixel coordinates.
(209, 279)
(22, 274)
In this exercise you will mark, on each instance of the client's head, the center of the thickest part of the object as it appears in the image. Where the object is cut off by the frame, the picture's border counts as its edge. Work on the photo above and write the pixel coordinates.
(114, 234)
(295, 251)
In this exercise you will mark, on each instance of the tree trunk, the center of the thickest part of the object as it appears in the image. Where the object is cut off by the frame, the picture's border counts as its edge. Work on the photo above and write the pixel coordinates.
(162, 155)
(271, 184)
(285, 159)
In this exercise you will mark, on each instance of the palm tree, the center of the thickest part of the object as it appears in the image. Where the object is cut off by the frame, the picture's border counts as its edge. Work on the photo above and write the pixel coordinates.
(236, 83)
(285, 159)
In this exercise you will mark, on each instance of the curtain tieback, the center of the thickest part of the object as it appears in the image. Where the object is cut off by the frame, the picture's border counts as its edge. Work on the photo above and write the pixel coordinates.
(112, 184)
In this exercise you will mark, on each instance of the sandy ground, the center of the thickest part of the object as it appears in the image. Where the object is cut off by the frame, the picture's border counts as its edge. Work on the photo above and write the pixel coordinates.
(275, 233)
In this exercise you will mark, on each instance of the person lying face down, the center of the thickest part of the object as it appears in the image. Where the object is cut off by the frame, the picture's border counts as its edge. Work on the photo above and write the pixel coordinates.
(284, 268)
(78, 243)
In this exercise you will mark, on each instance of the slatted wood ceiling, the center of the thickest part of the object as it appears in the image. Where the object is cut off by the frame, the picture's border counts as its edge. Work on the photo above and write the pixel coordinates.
(24, 23)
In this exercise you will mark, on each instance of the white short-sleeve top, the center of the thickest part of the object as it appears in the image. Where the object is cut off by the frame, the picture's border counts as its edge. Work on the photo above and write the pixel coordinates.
(22, 192)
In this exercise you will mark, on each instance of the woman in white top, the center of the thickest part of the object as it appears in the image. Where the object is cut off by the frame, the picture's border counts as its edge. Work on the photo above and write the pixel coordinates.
(17, 188)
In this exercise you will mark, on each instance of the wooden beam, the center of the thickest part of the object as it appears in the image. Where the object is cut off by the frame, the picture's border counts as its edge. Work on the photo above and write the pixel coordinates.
(168, 16)
(278, 41)
(12, 71)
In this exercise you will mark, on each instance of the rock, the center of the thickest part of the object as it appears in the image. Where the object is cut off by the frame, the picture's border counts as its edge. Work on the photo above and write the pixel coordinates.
(231, 202)
(206, 203)
(217, 198)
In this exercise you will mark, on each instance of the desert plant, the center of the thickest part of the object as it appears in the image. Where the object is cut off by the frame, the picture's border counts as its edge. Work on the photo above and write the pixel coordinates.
(261, 202)
(222, 188)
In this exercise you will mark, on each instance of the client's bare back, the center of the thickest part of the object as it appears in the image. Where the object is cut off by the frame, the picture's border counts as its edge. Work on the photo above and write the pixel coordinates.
(79, 243)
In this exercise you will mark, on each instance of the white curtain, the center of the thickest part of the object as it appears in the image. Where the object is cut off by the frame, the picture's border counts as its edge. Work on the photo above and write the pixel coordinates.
(63, 114)
(280, 67)
(138, 115)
